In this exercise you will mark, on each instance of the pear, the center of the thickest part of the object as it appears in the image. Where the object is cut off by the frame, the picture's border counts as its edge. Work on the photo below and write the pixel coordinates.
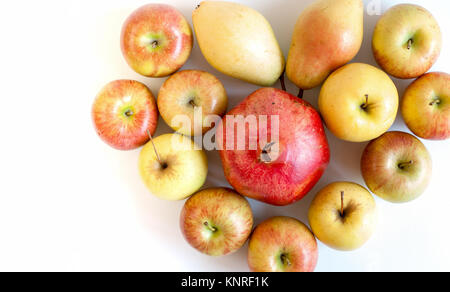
(238, 41)
(328, 35)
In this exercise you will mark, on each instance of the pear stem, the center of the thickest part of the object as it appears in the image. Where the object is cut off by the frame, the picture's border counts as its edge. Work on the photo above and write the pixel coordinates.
(154, 148)
(300, 93)
(342, 204)
(211, 228)
(283, 83)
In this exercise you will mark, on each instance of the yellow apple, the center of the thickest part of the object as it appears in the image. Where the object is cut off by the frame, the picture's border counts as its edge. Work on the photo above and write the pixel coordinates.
(172, 168)
(358, 102)
(407, 41)
(343, 216)
(238, 41)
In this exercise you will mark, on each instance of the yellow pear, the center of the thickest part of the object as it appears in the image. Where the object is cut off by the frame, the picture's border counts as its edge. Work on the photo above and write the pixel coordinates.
(238, 41)
(327, 35)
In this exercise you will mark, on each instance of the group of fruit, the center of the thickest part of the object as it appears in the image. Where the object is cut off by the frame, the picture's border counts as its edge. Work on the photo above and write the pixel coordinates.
(357, 103)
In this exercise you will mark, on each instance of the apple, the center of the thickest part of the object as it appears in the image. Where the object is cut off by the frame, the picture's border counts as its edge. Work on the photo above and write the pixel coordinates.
(187, 91)
(156, 40)
(277, 160)
(282, 244)
(396, 167)
(426, 106)
(343, 216)
(123, 112)
(358, 102)
(172, 168)
(216, 221)
(407, 41)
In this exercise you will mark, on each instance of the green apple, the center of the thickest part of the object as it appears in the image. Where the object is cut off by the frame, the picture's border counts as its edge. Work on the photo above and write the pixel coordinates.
(217, 221)
(358, 102)
(282, 244)
(343, 216)
(185, 92)
(396, 167)
(172, 168)
(407, 41)
(426, 106)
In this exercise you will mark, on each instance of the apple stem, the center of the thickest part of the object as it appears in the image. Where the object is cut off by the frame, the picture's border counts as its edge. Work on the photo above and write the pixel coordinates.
(436, 101)
(154, 147)
(283, 83)
(155, 44)
(405, 164)
(342, 203)
(213, 229)
(366, 104)
(285, 260)
(410, 42)
(129, 113)
(300, 93)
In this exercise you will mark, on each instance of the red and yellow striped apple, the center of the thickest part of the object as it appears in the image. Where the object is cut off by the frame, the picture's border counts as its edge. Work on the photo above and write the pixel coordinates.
(216, 221)
(286, 164)
(397, 167)
(282, 244)
(186, 91)
(123, 112)
(156, 40)
(426, 106)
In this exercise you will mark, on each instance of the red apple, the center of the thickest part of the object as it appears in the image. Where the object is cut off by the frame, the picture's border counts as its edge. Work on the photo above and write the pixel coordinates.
(217, 221)
(282, 244)
(426, 106)
(397, 167)
(123, 112)
(156, 40)
(283, 169)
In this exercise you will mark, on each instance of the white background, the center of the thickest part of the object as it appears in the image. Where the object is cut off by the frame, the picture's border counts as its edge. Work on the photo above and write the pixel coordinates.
(68, 202)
